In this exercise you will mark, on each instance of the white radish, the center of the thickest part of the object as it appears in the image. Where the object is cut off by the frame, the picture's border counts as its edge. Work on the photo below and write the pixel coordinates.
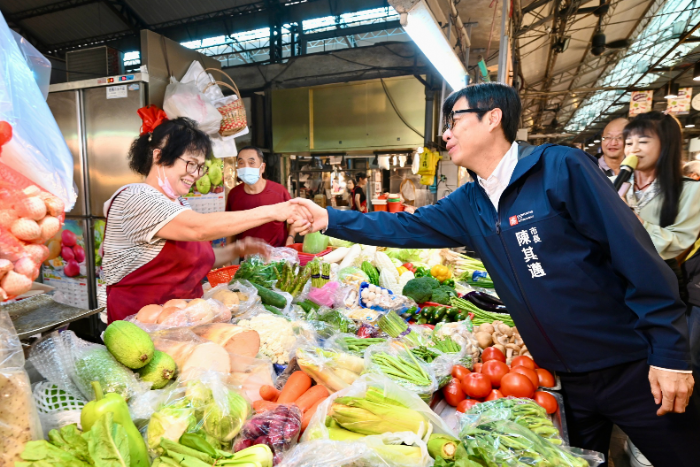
(336, 255)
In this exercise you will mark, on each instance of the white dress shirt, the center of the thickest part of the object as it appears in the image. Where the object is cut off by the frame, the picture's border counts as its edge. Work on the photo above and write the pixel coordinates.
(496, 184)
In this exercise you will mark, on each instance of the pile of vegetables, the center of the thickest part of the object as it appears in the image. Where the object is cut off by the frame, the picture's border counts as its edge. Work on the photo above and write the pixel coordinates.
(428, 289)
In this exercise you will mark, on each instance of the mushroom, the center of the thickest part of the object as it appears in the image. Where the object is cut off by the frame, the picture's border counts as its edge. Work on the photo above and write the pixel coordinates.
(518, 340)
(512, 350)
(505, 329)
(486, 327)
(484, 339)
(501, 348)
(501, 339)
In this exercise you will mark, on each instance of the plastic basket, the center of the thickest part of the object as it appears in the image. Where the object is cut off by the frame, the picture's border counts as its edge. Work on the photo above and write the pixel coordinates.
(305, 258)
(222, 275)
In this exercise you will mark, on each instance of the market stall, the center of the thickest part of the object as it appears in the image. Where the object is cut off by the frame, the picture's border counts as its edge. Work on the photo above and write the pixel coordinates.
(329, 353)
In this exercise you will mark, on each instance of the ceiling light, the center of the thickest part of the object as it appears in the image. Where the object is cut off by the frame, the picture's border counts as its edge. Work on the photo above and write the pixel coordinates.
(690, 125)
(672, 90)
(596, 140)
(696, 72)
(420, 24)
(591, 145)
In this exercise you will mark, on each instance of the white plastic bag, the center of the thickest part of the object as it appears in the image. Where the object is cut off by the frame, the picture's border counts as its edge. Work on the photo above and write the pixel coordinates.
(37, 149)
(185, 100)
(223, 146)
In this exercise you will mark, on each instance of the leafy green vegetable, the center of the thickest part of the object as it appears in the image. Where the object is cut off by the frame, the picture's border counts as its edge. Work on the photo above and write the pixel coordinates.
(107, 443)
(335, 322)
(70, 439)
(404, 255)
(224, 422)
(420, 289)
(42, 453)
(170, 422)
(256, 271)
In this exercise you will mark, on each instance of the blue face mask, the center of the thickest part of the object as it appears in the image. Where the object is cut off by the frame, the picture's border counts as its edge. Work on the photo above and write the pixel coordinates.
(249, 175)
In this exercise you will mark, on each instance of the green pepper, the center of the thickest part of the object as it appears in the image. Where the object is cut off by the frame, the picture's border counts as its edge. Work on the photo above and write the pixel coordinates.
(116, 404)
(449, 283)
(422, 272)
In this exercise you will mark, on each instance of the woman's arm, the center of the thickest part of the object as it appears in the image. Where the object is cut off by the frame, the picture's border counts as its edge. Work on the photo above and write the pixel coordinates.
(191, 226)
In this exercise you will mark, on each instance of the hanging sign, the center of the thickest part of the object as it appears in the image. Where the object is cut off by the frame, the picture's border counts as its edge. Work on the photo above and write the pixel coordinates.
(641, 102)
(681, 104)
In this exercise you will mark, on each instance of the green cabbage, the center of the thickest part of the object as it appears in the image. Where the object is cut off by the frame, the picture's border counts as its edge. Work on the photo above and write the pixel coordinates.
(315, 243)
(404, 255)
(224, 422)
(169, 422)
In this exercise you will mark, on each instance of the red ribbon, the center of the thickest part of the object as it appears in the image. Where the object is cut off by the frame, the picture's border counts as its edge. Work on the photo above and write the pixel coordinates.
(151, 116)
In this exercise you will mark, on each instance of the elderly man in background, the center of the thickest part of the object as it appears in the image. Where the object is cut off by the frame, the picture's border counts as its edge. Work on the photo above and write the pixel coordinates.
(613, 146)
(692, 170)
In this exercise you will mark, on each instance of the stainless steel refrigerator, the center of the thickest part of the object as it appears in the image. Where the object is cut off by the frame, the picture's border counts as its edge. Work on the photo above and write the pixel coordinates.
(98, 118)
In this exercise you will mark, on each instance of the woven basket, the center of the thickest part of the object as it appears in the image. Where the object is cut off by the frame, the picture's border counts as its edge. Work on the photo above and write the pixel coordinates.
(233, 114)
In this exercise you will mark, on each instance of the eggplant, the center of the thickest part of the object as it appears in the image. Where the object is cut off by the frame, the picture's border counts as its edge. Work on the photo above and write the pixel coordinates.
(486, 302)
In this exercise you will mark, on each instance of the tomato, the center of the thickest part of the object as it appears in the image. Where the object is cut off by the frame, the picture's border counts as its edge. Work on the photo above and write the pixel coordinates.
(495, 394)
(523, 360)
(546, 401)
(477, 367)
(531, 374)
(466, 404)
(453, 392)
(495, 370)
(546, 380)
(517, 385)
(459, 372)
(476, 385)
(492, 353)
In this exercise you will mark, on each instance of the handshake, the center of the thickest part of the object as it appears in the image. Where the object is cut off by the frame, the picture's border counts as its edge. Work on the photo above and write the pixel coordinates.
(303, 215)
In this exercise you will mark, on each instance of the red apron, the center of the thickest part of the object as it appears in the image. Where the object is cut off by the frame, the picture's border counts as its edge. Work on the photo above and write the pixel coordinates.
(176, 272)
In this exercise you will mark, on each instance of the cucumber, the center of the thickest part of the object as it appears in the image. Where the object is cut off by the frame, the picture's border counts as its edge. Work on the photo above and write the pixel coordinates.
(371, 272)
(269, 297)
(273, 309)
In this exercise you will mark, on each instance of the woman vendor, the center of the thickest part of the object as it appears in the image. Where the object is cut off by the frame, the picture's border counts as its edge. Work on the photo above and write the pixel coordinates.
(156, 247)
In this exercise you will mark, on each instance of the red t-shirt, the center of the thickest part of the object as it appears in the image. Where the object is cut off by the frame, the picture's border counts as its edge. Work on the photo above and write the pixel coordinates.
(274, 233)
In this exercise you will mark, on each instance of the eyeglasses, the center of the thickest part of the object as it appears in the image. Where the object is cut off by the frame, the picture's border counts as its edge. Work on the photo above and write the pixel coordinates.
(450, 117)
(619, 139)
(193, 168)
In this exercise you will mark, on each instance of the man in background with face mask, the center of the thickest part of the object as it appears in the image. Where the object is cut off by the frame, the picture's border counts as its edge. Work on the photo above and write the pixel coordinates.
(255, 191)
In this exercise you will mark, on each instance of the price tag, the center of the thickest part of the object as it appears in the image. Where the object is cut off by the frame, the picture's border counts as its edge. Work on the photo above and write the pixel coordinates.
(116, 92)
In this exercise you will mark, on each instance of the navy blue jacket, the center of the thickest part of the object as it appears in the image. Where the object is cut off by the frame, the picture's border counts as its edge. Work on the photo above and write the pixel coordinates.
(574, 266)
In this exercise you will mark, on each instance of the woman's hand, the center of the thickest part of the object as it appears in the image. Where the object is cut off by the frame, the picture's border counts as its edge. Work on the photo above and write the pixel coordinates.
(251, 246)
(291, 212)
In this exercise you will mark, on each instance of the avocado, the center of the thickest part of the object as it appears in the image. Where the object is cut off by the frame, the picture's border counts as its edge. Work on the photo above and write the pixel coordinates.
(129, 344)
(159, 371)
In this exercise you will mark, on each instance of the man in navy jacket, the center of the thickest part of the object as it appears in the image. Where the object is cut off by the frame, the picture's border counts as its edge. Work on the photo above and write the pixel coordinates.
(579, 274)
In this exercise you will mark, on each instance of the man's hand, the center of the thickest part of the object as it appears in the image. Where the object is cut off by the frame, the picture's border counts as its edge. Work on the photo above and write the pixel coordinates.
(291, 213)
(318, 214)
(251, 246)
(671, 389)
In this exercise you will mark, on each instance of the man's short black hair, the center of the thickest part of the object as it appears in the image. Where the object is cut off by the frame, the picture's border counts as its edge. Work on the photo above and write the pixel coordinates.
(360, 175)
(257, 150)
(490, 96)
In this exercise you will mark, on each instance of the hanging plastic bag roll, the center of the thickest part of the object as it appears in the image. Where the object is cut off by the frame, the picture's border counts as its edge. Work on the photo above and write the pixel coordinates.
(37, 149)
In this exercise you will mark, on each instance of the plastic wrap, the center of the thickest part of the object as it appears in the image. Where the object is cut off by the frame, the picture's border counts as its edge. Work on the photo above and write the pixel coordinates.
(325, 295)
(383, 450)
(327, 322)
(284, 254)
(352, 276)
(185, 100)
(277, 334)
(19, 421)
(254, 269)
(460, 333)
(196, 312)
(277, 428)
(207, 405)
(384, 302)
(408, 371)
(245, 296)
(345, 297)
(330, 368)
(37, 149)
(503, 443)
(57, 407)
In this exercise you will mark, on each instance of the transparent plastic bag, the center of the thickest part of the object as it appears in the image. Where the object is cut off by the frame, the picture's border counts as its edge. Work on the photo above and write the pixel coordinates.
(328, 322)
(57, 406)
(208, 405)
(278, 428)
(277, 334)
(333, 369)
(39, 65)
(325, 295)
(385, 450)
(245, 296)
(195, 312)
(460, 333)
(19, 421)
(37, 149)
(390, 356)
(502, 443)
(185, 100)
(345, 297)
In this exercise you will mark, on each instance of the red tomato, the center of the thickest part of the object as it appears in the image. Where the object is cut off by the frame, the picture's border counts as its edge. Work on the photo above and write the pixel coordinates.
(476, 385)
(492, 353)
(545, 378)
(477, 367)
(523, 360)
(466, 404)
(495, 394)
(459, 372)
(546, 401)
(531, 374)
(495, 370)
(453, 393)
(517, 385)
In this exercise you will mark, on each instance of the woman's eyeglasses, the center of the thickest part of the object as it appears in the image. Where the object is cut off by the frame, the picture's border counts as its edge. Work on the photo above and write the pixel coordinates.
(450, 117)
(193, 168)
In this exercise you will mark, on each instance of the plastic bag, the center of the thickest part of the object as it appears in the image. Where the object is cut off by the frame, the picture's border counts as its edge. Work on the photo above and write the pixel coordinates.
(185, 100)
(196, 312)
(37, 63)
(56, 406)
(379, 359)
(37, 149)
(207, 405)
(223, 146)
(371, 451)
(197, 75)
(278, 428)
(315, 243)
(325, 295)
(254, 269)
(328, 322)
(277, 335)
(460, 333)
(333, 369)
(19, 421)
(497, 442)
(345, 297)
(246, 296)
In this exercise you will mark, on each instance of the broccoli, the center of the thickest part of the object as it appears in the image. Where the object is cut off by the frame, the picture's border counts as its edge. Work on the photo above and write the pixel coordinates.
(420, 289)
(442, 295)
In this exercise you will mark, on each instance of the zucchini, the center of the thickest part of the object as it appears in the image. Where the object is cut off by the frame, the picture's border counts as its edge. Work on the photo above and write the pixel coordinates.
(269, 297)
(439, 313)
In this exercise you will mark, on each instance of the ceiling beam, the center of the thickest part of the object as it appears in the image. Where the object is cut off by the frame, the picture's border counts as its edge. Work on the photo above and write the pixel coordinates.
(46, 9)
(125, 13)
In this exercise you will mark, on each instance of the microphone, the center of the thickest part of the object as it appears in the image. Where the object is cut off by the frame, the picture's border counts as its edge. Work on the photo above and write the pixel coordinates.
(626, 169)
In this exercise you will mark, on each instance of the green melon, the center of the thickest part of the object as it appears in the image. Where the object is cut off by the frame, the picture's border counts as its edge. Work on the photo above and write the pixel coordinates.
(130, 345)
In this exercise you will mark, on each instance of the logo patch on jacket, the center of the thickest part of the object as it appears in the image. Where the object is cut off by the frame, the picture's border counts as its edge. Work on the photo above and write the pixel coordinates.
(513, 220)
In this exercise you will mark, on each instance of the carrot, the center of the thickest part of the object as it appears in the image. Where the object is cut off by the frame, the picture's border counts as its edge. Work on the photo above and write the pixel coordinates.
(297, 384)
(309, 398)
(261, 406)
(269, 393)
(310, 413)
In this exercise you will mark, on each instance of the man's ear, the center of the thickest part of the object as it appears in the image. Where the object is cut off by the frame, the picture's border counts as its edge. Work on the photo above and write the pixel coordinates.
(262, 168)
